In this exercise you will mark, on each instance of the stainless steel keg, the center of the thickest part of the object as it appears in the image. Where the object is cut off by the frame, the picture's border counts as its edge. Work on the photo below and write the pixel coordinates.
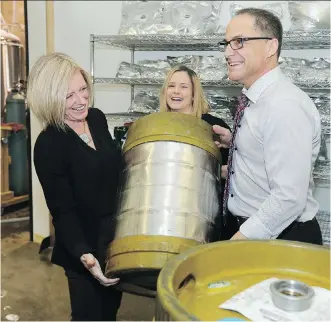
(169, 197)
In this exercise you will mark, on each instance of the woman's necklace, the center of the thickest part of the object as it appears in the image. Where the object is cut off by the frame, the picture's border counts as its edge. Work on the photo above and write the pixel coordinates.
(84, 136)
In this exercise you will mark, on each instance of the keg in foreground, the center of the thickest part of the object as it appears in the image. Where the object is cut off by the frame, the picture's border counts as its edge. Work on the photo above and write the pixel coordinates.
(169, 197)
(193, 284)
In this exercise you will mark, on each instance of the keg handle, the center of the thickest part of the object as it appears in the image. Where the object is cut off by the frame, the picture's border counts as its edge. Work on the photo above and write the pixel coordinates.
(189, 280)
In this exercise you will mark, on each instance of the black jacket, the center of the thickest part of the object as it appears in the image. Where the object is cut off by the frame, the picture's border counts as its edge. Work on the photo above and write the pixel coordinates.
(80, 186)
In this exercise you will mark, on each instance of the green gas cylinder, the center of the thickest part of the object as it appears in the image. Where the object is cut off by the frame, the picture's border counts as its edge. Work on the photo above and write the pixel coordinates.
(15, 112)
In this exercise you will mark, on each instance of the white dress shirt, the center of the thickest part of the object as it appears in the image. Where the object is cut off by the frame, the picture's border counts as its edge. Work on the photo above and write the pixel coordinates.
(275, 150)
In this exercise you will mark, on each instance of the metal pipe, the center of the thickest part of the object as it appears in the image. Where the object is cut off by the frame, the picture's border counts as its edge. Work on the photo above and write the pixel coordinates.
(92, 57)
(11, 220)
(14, 13)
(28, 121)
(132, 86)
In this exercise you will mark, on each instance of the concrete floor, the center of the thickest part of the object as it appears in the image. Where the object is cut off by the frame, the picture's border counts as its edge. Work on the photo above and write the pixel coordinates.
(36, 290)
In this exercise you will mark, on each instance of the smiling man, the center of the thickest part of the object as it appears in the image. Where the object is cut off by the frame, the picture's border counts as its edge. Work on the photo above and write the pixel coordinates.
(275, 140)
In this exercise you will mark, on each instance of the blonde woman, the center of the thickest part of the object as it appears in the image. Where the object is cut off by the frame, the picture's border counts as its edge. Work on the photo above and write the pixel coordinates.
(77, 163)
(182, 92)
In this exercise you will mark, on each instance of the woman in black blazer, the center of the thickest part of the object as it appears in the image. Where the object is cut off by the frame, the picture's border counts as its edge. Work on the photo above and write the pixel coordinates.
(78, 166)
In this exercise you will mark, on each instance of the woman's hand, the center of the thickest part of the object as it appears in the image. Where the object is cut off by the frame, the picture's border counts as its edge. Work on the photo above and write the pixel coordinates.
(224, 171)
(224, 136)
(92, 264)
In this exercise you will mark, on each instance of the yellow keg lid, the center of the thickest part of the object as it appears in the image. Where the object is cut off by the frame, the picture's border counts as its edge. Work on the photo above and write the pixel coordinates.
(176, 127)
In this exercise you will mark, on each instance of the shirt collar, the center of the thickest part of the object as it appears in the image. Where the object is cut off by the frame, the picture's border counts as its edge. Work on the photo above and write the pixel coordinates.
(256, 90)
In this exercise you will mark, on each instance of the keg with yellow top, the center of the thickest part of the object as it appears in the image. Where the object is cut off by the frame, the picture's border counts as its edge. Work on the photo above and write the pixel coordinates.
(169, 197)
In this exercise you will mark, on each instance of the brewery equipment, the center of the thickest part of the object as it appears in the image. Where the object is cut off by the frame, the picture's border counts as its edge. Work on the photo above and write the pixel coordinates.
(12, 64)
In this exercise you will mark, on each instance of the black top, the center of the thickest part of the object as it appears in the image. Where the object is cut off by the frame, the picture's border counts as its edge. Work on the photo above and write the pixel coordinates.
(80, 186)
(212, 120)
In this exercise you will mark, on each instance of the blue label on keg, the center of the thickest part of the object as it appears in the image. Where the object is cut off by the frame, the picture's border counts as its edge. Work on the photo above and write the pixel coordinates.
(219, 284)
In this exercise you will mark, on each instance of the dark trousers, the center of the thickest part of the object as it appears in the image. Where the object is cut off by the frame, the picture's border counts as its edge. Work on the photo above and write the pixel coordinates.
(307, 232)
(90, 301)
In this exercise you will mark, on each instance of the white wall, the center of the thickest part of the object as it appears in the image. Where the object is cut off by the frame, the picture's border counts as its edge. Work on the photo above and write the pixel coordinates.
(74, 22)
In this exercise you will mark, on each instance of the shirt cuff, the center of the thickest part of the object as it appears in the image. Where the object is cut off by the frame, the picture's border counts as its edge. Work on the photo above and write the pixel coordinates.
(253, 228)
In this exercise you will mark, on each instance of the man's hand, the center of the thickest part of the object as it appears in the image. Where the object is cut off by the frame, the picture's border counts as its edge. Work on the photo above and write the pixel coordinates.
(238, 236)
(224, 136)
(92, 264)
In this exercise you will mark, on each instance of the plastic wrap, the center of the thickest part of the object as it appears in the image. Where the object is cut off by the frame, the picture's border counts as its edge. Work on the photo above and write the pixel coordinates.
(309, 15)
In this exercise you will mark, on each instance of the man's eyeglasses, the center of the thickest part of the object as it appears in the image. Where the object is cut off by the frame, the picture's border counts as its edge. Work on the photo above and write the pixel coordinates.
(238, 43)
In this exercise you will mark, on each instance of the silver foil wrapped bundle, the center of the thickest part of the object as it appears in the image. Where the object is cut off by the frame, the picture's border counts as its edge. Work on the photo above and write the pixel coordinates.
(323, 106)
(127, 70)
(170, 17)
(158, 63)
(323, 154)
(306, 71)
(310, 15)
(143, 17)
(213, 73)
(145, 102)
(212, 68)
(321, 173)
(190, 61)
(323, 218)
(317, 70)
(322, 102)
(192, 17)
(292, 67)
(153, 73)
(278, 8)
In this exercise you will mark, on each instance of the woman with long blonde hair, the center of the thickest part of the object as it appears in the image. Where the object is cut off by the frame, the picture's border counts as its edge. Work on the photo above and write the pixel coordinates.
(78, 164)
(182, 92)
